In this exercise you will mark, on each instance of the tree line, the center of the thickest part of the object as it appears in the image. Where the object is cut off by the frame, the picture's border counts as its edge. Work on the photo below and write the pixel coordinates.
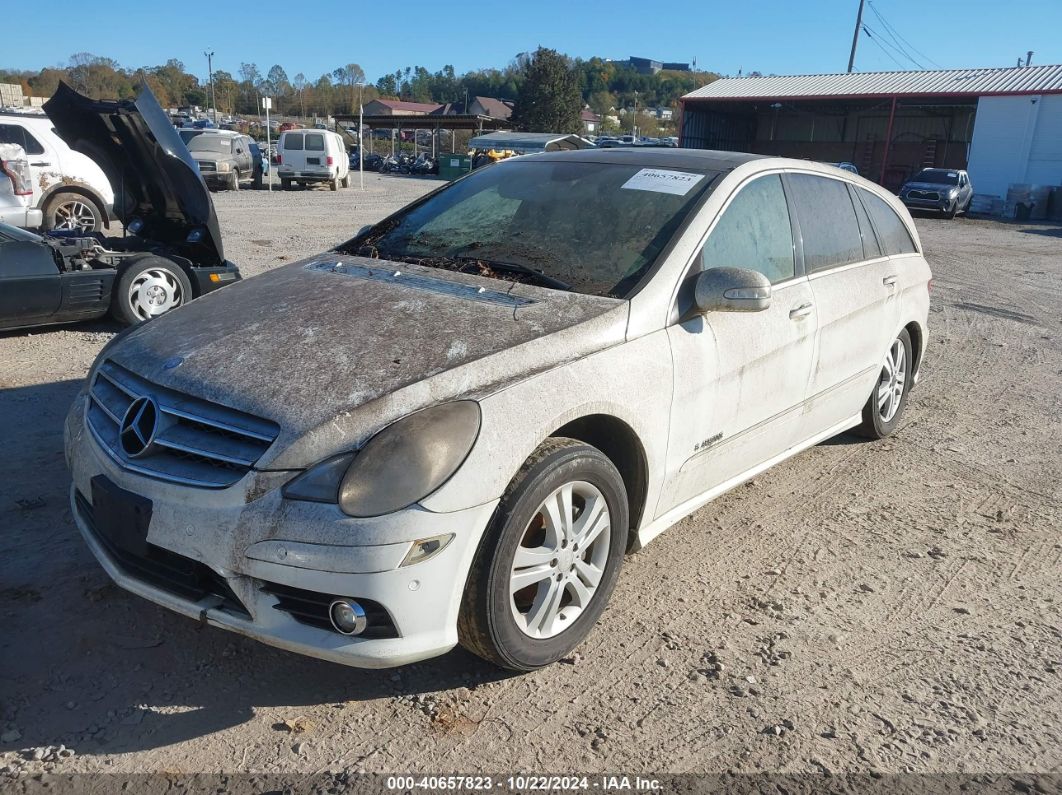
(544, 76)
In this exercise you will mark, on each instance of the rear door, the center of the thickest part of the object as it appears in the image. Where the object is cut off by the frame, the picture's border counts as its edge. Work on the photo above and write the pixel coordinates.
(292, 151)
(741, 377)
(316, 152)
(855, 292)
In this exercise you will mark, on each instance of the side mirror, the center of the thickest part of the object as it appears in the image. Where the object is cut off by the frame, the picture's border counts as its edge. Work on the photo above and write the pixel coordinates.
(731, 290)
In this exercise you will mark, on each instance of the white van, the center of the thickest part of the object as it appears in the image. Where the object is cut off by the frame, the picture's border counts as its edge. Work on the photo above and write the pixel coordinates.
(69, 189)
(312, 156)
(16, 189)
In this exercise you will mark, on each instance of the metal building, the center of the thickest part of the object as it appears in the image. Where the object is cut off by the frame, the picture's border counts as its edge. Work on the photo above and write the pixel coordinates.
(1003, 125)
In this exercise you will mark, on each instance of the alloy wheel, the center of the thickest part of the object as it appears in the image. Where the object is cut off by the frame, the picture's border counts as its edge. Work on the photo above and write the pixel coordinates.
(560, 561)
(154, 292)
(74, 215)
(891, 382)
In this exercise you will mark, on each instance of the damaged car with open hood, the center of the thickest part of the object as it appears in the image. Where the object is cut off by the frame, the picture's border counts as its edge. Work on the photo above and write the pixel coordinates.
(453, 427)
(170, 251)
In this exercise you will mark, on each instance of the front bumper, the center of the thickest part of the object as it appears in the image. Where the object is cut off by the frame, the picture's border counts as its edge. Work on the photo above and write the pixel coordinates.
(941, 204)
(207, 280)
(254, 542)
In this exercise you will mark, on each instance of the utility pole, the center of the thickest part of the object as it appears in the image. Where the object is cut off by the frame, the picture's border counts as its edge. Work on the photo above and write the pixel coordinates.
(855, 35)
(213, 99)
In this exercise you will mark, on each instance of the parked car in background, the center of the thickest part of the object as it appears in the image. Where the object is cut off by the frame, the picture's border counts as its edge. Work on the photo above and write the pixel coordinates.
(171, 251)
(224, 157)
(16, 189)
(69, 188)
(947, 190)
(311, 157)
(844, 165)
(288, 125)
(509, 383)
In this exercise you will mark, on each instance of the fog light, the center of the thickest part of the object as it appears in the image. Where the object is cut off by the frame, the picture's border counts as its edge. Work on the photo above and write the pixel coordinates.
(347, 617)
(426, 548)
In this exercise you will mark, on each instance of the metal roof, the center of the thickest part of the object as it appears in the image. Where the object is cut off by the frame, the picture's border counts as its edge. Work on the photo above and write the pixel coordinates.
(947, 82)
(529, 142)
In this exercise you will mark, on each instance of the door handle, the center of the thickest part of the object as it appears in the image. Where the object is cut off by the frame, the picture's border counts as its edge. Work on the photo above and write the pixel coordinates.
(889, 281)
(800, 312)
(42, 163)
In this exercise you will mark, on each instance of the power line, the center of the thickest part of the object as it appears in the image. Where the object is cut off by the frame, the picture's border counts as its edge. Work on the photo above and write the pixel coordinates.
(896, 46)
(892, 30)
(874, 39)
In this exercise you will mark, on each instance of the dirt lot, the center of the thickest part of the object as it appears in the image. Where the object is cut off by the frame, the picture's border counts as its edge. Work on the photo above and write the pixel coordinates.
(891, 606)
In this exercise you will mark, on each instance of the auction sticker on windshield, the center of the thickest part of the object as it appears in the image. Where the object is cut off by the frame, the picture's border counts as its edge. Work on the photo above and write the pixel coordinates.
(661, 180)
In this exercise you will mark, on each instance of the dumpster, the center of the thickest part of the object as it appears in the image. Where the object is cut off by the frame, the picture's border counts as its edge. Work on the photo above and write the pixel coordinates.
(454, 166)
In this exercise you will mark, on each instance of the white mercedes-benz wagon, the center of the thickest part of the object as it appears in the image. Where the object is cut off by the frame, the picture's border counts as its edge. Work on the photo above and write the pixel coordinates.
(451, 428)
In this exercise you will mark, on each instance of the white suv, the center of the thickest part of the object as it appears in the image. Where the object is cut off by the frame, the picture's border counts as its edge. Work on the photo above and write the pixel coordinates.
(69, 189)
(16, 188)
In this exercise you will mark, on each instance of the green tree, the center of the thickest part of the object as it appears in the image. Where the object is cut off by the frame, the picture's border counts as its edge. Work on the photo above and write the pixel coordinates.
(549, 99)
(349, 76)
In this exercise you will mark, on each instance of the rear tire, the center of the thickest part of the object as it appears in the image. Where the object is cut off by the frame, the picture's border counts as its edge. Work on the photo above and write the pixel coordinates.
(67, 210)
(334, 184)
(532, 594)
(147, 287)
(285, 184)
(886, 403)
(346, 180)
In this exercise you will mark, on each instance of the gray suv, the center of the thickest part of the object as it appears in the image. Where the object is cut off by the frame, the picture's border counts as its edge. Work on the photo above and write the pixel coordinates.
(945, 189)
(223, 156)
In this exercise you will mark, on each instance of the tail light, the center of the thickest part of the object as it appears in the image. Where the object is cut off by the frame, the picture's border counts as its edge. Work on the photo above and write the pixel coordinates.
(278, 158)
(328, 160)
(19, 173)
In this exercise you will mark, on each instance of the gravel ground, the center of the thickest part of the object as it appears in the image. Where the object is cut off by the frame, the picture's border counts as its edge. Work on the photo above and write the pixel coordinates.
(890, 606)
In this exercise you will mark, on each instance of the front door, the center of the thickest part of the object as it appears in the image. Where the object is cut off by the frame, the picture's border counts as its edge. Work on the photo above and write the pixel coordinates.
(741, 377)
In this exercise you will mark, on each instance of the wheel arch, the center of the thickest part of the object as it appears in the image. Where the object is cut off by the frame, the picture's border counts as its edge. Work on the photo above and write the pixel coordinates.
(621, 445)
(914, 331)
(82, 189)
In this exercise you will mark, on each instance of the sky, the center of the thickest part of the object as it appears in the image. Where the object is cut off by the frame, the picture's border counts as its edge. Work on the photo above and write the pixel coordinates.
(769, 36)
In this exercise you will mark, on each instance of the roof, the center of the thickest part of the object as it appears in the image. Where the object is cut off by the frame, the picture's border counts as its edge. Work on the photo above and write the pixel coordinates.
(528, 142)
(398, 104)
(496, 108)
(652, 157)
(589, 115)
(947, 82)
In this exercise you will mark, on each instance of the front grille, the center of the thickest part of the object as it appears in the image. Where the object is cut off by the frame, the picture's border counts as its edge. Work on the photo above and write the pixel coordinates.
(311, 608)
(196, 442)
(927, 195)
(207, 166)
(165, 570)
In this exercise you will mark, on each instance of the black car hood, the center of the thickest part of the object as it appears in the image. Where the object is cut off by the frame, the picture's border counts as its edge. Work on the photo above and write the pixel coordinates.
(155, 179)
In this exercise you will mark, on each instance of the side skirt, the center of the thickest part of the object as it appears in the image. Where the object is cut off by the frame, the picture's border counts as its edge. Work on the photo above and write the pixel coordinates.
(679, 512)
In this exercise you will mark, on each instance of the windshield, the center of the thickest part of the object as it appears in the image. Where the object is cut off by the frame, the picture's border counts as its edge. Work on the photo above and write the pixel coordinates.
(210, 143)
(592, 227)
(938, 177)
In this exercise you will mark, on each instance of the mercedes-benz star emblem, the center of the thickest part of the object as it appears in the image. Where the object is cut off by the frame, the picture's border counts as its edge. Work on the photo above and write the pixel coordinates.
(139, 426)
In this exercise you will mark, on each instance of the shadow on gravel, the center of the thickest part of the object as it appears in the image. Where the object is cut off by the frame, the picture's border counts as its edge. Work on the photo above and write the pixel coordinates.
(101, 326)
(1053, 231)
(87, 665)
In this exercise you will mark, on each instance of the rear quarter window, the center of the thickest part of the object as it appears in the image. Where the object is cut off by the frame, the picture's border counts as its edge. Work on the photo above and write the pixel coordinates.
(17, 134)
(828, 222)
(293, 141)
(893, 234)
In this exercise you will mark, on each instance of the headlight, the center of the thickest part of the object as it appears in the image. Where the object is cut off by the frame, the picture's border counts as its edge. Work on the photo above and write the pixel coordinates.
(402, 464)
(224, 166)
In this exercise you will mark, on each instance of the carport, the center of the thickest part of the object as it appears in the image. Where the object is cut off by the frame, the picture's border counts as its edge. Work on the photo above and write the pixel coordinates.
(888, 124)
(528, 143)
(452, 123)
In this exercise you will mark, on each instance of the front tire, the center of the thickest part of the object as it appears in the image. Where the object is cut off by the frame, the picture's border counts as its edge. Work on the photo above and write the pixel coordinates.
(148, 287)
(953, 208)
(549, 560)
(234, 181)
(886, 403)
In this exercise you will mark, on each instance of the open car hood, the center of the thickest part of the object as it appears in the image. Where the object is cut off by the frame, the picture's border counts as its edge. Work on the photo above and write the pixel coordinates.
(155, 180)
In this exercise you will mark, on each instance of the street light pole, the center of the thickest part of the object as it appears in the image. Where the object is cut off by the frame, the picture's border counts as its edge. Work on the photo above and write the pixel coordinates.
(361, 135)
(213, 99)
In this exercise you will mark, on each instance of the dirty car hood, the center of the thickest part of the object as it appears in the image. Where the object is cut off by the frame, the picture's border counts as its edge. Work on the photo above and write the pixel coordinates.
(308, 345)
(150, 170)
(937, 186)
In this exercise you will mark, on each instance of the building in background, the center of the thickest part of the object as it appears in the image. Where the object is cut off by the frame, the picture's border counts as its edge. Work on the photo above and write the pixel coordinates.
(1004, 125)
(647, 66)
(396, 107)
(591, 121)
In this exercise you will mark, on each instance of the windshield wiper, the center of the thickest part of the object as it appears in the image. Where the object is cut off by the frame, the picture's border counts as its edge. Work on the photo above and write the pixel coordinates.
(513, 267)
